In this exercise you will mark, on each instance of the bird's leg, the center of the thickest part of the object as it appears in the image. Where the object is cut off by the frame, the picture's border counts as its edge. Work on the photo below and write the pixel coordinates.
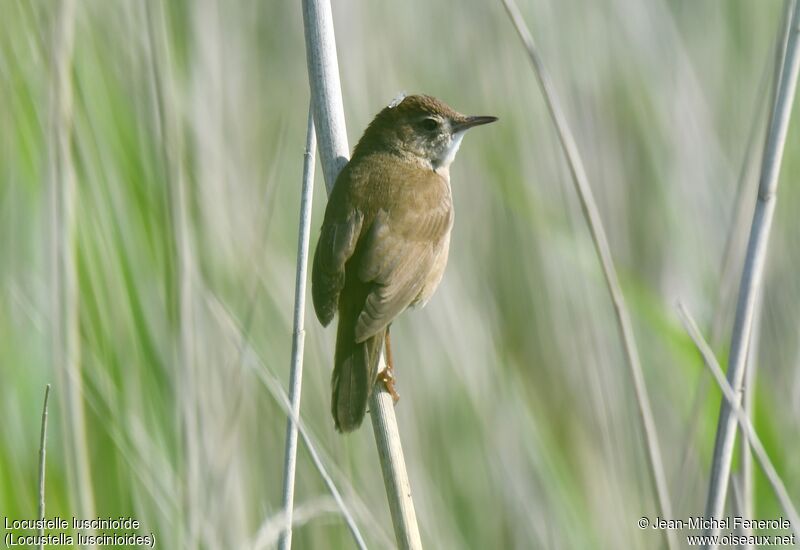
(387, 375)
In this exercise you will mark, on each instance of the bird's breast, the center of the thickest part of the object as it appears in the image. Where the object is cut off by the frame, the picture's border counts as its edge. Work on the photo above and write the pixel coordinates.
(435, 274)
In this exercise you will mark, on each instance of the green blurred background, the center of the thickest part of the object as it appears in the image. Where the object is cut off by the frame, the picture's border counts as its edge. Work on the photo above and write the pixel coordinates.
(155, 292)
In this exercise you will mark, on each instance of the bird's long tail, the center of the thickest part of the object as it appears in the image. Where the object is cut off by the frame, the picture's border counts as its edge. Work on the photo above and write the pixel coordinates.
(354, 372)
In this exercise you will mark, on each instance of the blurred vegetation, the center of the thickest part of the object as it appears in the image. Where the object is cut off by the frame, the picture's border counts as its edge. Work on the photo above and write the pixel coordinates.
(517, 414)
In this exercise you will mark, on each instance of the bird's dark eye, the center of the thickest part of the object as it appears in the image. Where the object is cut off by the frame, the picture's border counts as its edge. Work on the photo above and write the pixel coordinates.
(429, 124)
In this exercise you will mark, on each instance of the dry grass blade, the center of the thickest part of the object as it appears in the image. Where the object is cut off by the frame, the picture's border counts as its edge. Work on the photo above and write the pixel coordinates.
(752, 273)
(600, 241)
(298, 334)
(271, 530)
(747, 427)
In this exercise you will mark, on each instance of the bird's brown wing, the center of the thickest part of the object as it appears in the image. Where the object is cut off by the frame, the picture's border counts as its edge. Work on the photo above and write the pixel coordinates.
(337, 242)
(400, 251)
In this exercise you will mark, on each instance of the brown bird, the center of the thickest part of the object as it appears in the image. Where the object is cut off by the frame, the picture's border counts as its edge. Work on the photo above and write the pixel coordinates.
(384, 241)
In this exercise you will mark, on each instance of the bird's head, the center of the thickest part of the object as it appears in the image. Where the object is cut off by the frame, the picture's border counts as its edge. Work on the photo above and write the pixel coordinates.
(421, 127)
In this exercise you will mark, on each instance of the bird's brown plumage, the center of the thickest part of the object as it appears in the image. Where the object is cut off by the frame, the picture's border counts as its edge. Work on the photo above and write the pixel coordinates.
(383, 244)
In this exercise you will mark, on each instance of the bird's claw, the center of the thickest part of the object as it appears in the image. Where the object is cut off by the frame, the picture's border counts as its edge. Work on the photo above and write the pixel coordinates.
(387, 377)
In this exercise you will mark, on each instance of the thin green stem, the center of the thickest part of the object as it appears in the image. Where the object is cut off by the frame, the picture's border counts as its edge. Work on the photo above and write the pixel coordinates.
(42, 460)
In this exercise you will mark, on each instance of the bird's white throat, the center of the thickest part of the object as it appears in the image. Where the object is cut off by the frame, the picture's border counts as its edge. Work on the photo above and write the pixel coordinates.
(449, 154)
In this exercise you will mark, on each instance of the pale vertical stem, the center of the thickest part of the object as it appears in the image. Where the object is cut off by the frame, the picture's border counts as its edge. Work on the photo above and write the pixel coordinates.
(64, 241)
(748, 391)
(754, 268)
(603, 250)
(398, 486)
(733, 250)
(298, 333)
(780, 55)
(729, 395)
(733, 241)
(748, 400)
(42, 461)
(326, 91)
(326, 98)
(728, 272)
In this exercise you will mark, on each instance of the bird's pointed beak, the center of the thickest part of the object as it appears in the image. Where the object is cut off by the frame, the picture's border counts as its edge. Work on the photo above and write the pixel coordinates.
(472, 121)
